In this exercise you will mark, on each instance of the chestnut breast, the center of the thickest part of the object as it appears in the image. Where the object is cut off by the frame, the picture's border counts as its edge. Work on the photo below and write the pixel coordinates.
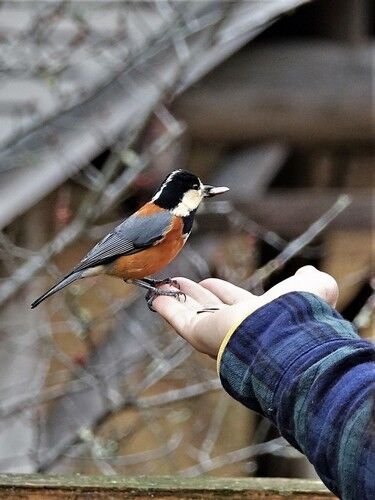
(152, 259)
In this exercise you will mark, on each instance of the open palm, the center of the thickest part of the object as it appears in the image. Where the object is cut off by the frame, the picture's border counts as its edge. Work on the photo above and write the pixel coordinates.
(230, 305)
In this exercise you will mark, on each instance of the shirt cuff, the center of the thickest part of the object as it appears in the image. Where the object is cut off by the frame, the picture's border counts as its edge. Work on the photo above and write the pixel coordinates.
(226, 339)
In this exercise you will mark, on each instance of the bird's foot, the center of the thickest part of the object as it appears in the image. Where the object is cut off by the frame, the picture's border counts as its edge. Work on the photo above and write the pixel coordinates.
(165, 281)
(153, 291)
(156, 292)
(208, 309)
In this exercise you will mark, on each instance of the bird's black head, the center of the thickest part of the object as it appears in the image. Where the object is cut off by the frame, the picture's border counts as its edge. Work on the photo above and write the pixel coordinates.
(182, 192)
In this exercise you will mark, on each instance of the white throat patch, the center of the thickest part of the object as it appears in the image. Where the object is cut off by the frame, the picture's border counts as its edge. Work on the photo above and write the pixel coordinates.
(190, 201)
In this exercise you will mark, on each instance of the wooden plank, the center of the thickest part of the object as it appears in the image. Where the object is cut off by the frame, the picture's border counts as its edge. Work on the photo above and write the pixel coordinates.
(305, 93)
(78, 487)
(348, 257)
(290, 211)
(253, 169)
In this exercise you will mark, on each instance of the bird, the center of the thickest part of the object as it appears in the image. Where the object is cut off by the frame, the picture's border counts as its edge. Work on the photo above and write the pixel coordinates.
(148, 240)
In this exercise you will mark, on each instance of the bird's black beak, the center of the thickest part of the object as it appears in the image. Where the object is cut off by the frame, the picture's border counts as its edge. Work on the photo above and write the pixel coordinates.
(210, 191)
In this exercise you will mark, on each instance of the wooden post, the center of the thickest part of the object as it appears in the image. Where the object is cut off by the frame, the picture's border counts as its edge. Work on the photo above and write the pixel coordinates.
(115, 487)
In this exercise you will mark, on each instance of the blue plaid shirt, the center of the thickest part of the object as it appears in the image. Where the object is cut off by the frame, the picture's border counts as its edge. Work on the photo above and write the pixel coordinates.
(298, 362)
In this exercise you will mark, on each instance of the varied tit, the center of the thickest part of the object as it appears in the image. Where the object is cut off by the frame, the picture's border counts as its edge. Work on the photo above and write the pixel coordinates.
(148, 240)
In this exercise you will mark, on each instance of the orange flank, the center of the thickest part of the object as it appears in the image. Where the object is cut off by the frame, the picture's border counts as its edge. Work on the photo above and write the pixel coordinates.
(152, 259)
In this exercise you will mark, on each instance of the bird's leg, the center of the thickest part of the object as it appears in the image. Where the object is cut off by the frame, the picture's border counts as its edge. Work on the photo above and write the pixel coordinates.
(153, 291)
(165, 281)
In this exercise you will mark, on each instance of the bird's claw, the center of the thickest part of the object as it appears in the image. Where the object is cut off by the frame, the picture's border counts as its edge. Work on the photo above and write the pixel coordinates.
(156, 292)
(167, 281)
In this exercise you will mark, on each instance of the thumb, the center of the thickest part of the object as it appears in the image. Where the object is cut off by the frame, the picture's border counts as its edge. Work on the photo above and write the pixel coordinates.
(306, 279)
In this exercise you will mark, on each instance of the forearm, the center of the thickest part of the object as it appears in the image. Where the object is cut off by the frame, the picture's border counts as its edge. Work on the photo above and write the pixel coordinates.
(298, 362)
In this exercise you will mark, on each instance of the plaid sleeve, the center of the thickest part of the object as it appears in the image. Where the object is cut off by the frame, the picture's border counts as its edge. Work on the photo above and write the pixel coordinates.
(298, 362)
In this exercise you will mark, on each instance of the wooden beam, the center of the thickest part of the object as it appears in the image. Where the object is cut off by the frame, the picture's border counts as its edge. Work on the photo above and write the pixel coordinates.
(348, 256)
(252, 168)
(290, 211)
(79, 487)
(304, 93)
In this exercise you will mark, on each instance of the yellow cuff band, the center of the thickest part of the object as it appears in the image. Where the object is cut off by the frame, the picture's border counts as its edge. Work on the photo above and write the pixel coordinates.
(226, 339)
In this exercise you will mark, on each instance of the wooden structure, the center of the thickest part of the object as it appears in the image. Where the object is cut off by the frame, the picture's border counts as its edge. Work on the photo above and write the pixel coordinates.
(79, 487)
(304, 93)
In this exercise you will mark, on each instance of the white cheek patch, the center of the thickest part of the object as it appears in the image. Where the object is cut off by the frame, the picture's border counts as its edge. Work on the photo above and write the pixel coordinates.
(189, 202)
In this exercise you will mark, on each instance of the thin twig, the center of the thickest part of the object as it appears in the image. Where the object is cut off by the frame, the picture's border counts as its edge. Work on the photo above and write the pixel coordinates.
(295, 246)
(234, 456)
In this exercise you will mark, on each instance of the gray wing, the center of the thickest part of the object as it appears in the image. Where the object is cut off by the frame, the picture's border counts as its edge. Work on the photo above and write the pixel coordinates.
(131, 236)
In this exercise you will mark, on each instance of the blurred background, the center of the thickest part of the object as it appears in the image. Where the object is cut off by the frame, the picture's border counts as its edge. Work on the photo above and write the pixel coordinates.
(99, 100)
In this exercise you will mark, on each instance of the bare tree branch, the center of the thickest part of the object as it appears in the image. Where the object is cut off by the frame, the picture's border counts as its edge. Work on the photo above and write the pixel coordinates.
(294, 247)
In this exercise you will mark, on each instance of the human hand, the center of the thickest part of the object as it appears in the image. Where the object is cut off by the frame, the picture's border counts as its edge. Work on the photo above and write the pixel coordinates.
(206, 331)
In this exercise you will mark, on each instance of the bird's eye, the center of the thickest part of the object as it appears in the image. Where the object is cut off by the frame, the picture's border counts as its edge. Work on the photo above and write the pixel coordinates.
(195, 186)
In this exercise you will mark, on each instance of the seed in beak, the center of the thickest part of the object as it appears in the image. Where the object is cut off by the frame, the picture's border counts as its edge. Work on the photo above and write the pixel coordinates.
(213, 191)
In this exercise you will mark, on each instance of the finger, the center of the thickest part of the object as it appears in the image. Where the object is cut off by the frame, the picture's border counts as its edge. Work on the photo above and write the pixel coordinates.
(200, 294)
(184, 298)
(322, 284)
(306, 279)
(225, 291)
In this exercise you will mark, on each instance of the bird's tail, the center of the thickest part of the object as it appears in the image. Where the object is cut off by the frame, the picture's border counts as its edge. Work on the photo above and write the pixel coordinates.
(59, 286)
